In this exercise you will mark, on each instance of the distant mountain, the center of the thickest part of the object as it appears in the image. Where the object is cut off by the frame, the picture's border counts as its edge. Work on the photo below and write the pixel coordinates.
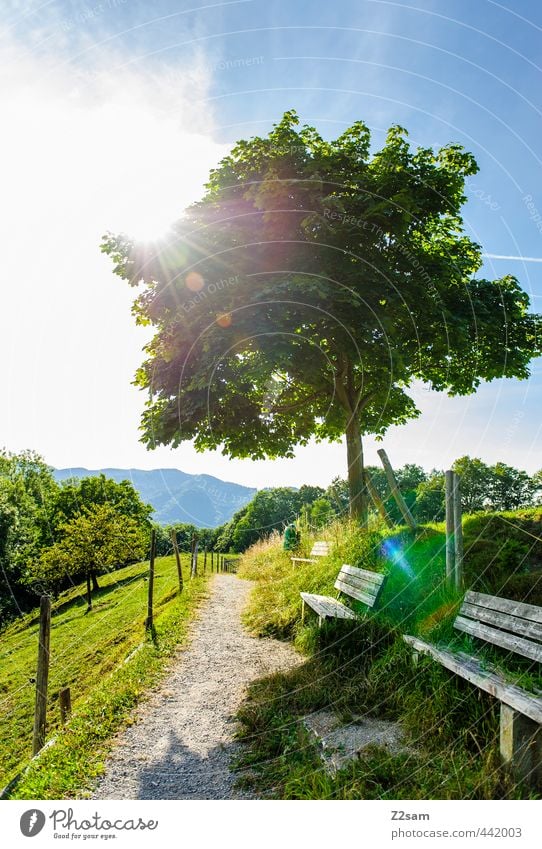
(176, 496)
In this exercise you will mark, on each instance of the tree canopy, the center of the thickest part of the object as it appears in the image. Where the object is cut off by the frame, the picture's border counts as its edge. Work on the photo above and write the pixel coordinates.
(75, 494)
(310, 287)
(98, 538)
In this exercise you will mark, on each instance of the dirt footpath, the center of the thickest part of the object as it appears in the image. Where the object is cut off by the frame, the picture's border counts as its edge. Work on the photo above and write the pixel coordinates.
(182, 742)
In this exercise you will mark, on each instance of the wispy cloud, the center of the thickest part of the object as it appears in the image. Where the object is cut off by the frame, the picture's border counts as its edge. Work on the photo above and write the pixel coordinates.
(516, 258)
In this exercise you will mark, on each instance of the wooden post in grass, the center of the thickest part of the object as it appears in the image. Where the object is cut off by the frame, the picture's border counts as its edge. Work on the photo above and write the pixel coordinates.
(450, 526)
(194, 570)
(458, 533)
(212, 559)
(42, 675)
(148, 621)
(65, 702)
(89, 593)
(204, 560)
(177, 558)
(395, 491)
(377, 501)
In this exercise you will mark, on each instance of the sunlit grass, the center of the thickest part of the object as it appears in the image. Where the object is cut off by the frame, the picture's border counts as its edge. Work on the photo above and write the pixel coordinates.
(366, 668)
(87, 653)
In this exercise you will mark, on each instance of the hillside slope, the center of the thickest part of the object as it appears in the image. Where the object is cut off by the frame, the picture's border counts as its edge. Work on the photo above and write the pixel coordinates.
(202, 500)
(88, 654)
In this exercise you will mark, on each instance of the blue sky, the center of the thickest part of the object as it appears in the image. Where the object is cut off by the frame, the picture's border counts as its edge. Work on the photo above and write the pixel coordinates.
(117, 94)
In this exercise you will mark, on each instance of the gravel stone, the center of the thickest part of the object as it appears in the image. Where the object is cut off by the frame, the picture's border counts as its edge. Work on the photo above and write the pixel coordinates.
(182, 743)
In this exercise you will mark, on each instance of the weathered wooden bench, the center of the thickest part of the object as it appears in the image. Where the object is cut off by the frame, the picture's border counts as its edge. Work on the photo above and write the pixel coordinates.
(353, 582)
(517, 628)
(319, 549)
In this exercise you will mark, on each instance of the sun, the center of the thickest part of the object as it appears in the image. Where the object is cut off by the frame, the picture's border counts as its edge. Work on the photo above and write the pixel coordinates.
(158, 181)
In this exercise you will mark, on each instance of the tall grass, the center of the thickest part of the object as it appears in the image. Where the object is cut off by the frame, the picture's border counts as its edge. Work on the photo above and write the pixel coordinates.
(365, 668)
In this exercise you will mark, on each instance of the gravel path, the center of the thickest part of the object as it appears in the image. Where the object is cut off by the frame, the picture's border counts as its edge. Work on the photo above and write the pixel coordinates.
(182, 742)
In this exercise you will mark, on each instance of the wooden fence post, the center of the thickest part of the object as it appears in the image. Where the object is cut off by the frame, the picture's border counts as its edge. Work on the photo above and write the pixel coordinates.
(212, 558)
(450, 546)
(395, 491)
(194, 570)
(65, 702)
(204, 560)
(377, 501)
(89, 593)
(42, 675)
(177, 558)
(458, 533)
(148, 621)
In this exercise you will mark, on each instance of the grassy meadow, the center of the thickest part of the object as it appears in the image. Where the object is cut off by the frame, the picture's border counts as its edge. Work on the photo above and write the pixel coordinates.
(106, 659)
(365, 668)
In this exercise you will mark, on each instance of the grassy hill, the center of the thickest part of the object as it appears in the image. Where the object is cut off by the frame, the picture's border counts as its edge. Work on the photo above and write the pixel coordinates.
(106, 660)
(365, 668)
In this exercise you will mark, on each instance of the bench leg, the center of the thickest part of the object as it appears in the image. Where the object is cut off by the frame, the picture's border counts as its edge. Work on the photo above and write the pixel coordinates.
(521, 745)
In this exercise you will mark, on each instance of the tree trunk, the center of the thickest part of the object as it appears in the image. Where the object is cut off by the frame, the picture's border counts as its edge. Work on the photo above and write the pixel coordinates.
(89, 594)
(94, 577)
(356, 476)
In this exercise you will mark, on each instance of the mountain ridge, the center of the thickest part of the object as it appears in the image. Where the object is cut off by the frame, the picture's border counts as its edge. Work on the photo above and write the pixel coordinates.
(176, 496)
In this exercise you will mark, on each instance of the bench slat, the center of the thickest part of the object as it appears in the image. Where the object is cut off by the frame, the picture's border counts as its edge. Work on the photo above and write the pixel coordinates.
(358, 585)
(499, 638)
(506, 605)
(490, 682)
(320, 549)
(372, 580)
(327, 606)
(503, 620)
(353, 592)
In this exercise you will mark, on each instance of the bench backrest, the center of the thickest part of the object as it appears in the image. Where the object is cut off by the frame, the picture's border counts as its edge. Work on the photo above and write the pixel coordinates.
(360, 584)
(320, 549)
(511, 625)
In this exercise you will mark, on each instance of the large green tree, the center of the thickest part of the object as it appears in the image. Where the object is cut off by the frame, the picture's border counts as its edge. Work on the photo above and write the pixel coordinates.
(309, 288)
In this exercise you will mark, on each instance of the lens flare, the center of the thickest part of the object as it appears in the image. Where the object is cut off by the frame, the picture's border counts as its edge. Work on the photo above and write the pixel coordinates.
(194, 281)
(224, 320)
(392, 550)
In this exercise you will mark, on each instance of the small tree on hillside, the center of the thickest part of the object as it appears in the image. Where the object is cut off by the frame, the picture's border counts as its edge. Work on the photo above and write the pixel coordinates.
(75, 494)
(98, 539)
(311, 286)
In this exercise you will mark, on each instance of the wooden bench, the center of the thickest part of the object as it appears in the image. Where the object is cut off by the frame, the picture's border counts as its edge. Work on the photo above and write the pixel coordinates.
(353, 582)
(319, 549)
(517, 628)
